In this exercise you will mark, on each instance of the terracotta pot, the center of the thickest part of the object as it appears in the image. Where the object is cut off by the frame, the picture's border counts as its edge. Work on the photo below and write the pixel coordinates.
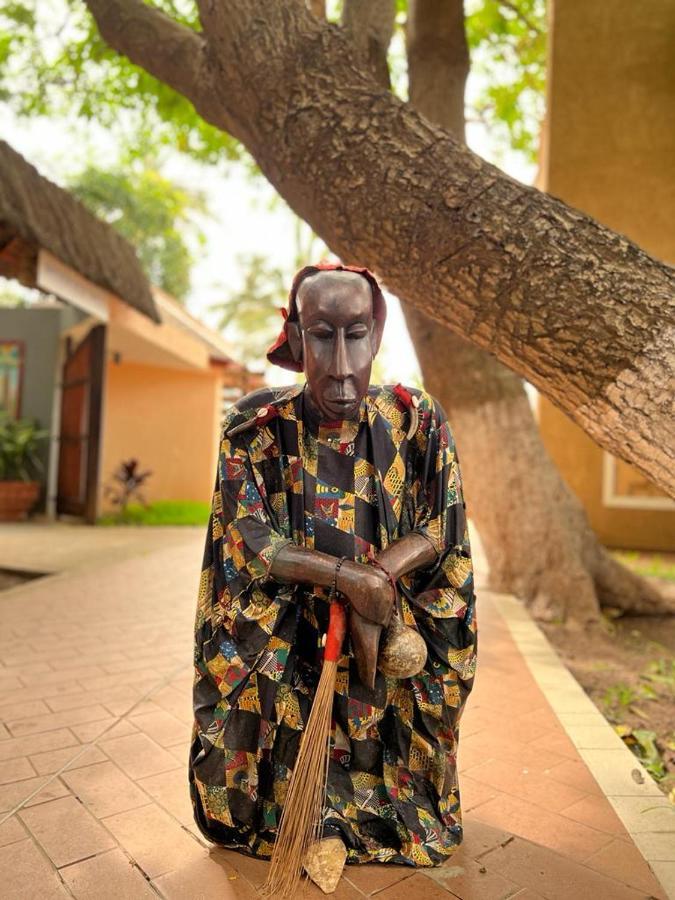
(17, 498)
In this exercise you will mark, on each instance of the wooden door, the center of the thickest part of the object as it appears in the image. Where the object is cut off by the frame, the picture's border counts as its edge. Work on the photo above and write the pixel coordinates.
(80, 435)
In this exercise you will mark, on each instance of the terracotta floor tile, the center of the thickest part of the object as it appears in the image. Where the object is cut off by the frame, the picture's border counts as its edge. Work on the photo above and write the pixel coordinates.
(138, 755)
(14, 711)
(183, 681)
(104, 789)
(483, 746)
(555, 876)
(110, 728)
(344, 891)
(50, 740)
(170, 790)
(520, 781)
(57, 720)
(471, 880)
(479, 838)
(417, 887)
(82, 655)
(596, 812)
(72, 757)
(9, 683)
(156, 841)
(373, 877)
(556, 743)
(146, 678)
(473, 793)
(549, 829)
(88, 698)
(180, 751)
(625, 863)
(523, 728)
(11, 795)
(248, 867)
(14, 658)
(66, 831)
(576, 774)
(53, 789)
(129, 665)
(476, 717)
(544, 716)
(12, 831)
(120, 706)
(176, 702)
(31, 672)
(162, 727)
(25, 874)
(507, 719)
(110, 876)
(16, 770)
(44, 691)
(217, 880)
(31, 678)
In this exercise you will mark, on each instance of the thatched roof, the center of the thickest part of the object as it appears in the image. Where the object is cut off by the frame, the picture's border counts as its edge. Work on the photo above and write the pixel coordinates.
(37, 214)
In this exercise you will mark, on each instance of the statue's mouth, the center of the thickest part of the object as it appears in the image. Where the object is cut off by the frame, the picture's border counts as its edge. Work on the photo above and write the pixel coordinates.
(341, 405)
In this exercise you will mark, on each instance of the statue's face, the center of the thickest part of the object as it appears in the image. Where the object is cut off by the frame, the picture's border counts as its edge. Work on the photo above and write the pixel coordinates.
(339, 340)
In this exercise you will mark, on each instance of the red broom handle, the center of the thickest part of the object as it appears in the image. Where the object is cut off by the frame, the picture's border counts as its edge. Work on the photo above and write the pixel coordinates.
(337, 628)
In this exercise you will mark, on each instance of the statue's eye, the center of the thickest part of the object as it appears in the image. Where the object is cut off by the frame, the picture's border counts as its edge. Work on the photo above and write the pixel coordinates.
(355, 334)
(321, 334)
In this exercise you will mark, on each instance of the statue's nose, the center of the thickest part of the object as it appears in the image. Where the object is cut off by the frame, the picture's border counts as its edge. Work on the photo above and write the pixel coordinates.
(340, 361)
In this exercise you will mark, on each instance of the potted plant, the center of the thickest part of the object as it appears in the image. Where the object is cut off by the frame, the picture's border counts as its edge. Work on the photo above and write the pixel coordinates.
(19, 466)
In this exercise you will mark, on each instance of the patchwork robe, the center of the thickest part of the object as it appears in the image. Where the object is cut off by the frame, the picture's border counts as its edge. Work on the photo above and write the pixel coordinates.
(348, 488)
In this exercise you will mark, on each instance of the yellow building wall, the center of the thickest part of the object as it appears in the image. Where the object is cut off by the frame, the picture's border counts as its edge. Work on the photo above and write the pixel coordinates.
(169, 419)
(609, 149)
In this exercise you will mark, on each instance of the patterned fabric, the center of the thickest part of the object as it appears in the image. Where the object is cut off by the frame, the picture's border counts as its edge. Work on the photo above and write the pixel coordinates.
(348, 489)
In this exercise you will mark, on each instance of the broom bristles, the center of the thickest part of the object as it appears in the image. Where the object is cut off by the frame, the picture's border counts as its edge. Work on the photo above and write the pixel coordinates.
(302, 818)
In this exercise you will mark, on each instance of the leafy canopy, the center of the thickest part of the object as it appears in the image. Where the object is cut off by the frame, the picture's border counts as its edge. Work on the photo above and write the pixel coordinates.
(53, 62)
(152, 213)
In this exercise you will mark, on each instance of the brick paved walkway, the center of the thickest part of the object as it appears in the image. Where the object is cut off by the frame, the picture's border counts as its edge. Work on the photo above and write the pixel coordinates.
(93, 795)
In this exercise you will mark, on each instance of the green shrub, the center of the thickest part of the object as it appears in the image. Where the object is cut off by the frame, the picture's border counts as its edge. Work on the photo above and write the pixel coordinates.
(19, 443)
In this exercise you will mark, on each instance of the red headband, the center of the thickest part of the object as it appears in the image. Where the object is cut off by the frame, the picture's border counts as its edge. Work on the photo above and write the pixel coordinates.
(280, 353)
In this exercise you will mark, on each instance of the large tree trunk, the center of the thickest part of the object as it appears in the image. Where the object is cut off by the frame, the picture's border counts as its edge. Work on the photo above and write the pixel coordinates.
(552, 559)
(535, 532)
(581, 312)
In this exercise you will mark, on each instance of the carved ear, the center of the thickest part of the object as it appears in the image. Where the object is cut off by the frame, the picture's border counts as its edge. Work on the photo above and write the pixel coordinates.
(294, 340)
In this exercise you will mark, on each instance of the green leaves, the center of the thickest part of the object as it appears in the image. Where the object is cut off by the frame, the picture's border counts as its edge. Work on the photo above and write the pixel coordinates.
(152, 213)
(507, 40)
(53, 62)
(20, 440)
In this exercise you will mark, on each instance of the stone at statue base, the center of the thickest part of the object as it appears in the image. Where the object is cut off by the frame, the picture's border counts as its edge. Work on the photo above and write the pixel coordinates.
(324, 863)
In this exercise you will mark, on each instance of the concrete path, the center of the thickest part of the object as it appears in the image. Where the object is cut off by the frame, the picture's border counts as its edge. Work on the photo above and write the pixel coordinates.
(95, 678)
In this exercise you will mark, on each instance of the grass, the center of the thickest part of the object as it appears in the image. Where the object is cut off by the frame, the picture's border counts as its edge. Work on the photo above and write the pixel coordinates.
(644, 563)
(162, 512)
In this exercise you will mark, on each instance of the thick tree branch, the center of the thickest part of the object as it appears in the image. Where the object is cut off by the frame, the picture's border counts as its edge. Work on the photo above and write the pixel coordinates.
(580, 311)
(371, 26)
(172, 53)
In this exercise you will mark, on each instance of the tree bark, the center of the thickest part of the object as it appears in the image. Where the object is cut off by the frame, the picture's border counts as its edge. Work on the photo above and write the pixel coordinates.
(552, 560)
(371, 26)
(535, 532)
(580, 311)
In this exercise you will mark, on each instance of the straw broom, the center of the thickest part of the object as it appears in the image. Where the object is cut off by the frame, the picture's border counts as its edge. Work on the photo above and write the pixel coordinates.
(301, 821)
